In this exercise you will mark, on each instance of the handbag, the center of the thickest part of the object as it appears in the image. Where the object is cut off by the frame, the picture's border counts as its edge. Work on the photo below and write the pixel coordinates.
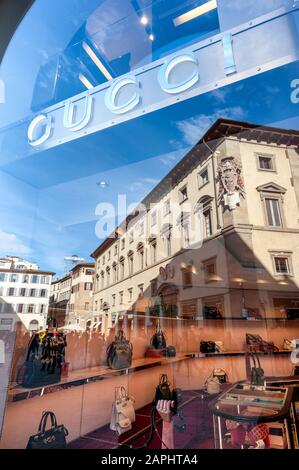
(163, 391)
(208, 347)
(119, 353)
(51, 438)
(170, 351)
(123, 412)
(259, 344)
(211, 313)
(257, 373)
(158, 340)
(289, 344)
(212, 385)
(221, 375)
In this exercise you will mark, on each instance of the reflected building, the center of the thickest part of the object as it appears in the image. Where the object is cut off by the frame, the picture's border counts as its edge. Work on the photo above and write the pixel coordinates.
(25, 291)
(218, 234)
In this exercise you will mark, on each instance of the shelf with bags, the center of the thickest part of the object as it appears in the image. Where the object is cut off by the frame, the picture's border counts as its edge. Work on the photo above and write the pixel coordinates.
(92, 374)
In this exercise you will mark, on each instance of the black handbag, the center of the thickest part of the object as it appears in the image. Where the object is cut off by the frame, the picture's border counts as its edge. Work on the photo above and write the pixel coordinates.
(158, 340)
(119, 352)
(208, 347)
(257, 373)
(170, 351)
(163, 391)
(211, 313)
(52, 438)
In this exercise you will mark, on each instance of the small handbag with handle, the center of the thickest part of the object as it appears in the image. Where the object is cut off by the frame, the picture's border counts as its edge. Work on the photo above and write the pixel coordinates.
(51, 438)
(158, 340)
(163, 391)
(221, 375)
(257, 372)
(123, 412)
(119, 353)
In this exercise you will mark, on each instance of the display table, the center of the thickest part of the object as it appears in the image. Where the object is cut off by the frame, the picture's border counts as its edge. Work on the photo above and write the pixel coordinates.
(252, 405)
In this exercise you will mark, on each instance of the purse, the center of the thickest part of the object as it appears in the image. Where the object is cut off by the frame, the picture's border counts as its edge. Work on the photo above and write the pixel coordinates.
(158, 340)
(119, 353)
(258, 343)
(52, 438)
(211, 313)
(257, 373)
(170, 351)
(123, 412)
(212, 385)
(208, 347)
(221, 375)
(163, 391)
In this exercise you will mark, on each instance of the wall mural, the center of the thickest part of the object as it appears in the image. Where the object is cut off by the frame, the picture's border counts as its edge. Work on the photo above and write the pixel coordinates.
(231, 184)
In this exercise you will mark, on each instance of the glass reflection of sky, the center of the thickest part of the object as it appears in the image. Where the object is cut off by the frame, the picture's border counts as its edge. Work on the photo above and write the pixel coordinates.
(48, 199)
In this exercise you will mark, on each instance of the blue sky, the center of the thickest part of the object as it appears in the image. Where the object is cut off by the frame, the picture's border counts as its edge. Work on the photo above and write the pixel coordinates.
(48, 200)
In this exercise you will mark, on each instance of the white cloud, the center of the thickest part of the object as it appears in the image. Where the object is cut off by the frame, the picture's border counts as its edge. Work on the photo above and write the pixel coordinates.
(193, 129)
(11, 245)
(142, 184)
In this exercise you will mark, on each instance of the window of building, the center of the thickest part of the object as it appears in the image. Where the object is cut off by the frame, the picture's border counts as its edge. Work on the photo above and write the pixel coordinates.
(1, 290)
(273, 212)
(121, 298)
(209, 267)
(32, 292)
(140, 249)
(102, 279)
(207, 223)
(43, 293)
(122, 268)
(113, 300)
(31, 308)
(266, 162)
(114, 271)
(123, 243)
(22, 292)
(86, 306)
(44, 280)
(11, 291)
(203, 177)
(104, 259)
(187, 277)
(131, 263)
(87, 285)
(20, 308)
(130, 294)
(89, 272)
(26, 278)
(166, 208)
(101, 304)
(96, 305)
(153, 218)
(154, 287)
(115, 249)
(131, 236)
(2, 277)
(43, 308)
(282, 264)
(167, 241)
(109, 255)
(108, 276)
(185, 235)
(34, 279)
(14, 278)
(141, 289)
(153, 250)
(183, 194)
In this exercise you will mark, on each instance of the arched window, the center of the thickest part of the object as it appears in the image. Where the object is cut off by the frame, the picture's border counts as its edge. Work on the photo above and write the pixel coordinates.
(203, 209)
(122, 267)
(140, 249)
(131, 262)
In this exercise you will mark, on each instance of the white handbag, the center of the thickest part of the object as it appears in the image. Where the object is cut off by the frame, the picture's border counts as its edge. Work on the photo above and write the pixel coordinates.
(212, 385)
(123, 412)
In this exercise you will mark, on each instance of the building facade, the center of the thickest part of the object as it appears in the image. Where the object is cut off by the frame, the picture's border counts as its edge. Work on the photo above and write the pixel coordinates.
(79, 311)
(220, 231)
(59, 299)
(25, 291)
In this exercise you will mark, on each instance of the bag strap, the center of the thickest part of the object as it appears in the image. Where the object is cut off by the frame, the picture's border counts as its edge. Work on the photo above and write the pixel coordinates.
(253, 358)
(164, 379)
(44, 420)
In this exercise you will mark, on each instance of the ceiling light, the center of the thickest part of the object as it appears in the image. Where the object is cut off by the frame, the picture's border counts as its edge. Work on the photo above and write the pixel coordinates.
(85, 81)
(195, 12)
(151, 37)
(97, 61)
(144, 20)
